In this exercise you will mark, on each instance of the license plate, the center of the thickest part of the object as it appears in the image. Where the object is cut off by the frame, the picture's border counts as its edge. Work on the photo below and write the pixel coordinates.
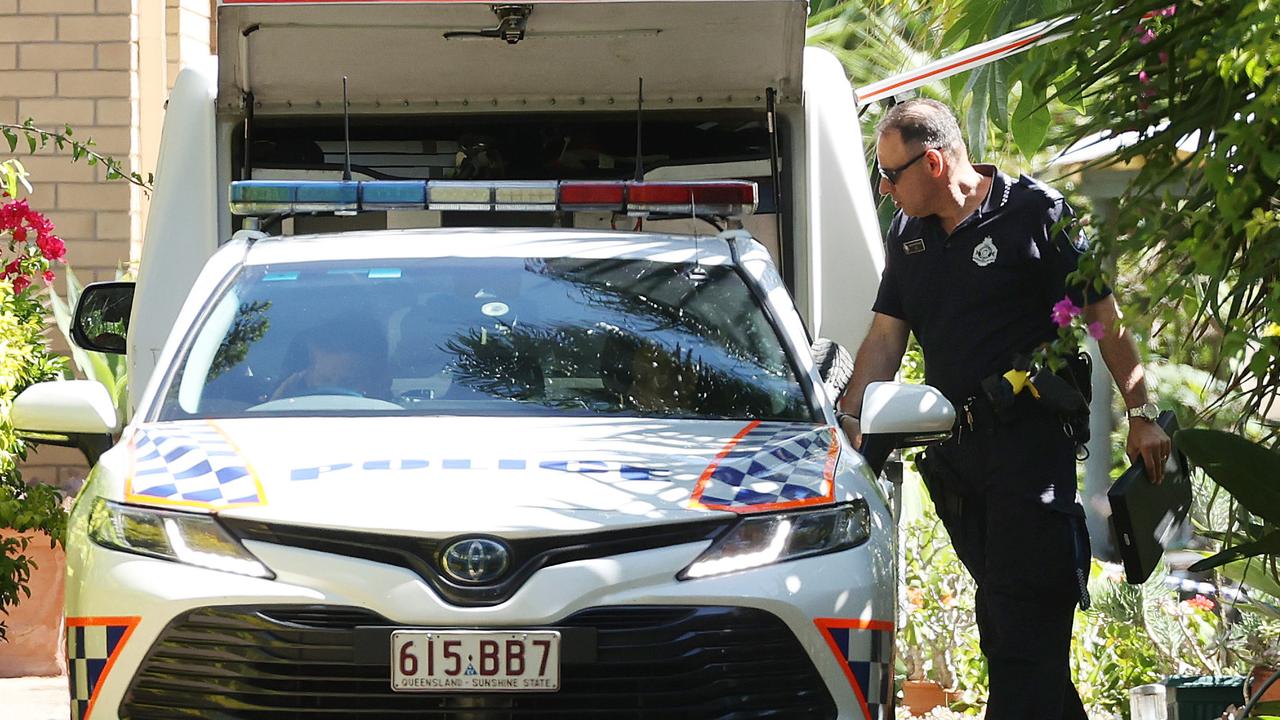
(475, 661)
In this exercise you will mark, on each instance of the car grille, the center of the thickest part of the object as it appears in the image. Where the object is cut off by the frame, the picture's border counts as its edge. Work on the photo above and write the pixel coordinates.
(314, 662)
(421, 555)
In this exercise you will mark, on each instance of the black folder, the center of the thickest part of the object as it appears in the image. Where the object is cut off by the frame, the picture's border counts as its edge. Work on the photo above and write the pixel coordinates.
(1146, 517)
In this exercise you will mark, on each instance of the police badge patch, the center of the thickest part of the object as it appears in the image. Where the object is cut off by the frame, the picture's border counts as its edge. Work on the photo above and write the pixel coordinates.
(985, 253)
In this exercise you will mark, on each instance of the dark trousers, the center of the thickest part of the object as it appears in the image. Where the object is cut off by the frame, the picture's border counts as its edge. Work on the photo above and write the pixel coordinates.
(1023, 554)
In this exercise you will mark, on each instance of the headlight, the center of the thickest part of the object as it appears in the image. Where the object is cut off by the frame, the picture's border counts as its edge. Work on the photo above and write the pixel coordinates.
(765, 539)
(182, 537)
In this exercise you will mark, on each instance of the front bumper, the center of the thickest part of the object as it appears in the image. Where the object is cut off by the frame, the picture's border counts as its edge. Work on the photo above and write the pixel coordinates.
(810, 638)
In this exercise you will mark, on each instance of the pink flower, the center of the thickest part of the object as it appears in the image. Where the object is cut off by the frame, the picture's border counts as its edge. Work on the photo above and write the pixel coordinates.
(21, 283)
(52, 247)
(1164, 57)
(1096, 330)
(1143, 77)
(1063, 311)
(13, 268)
(1200, 602)
(49, 276)
(1169, 11)
(1147, 36)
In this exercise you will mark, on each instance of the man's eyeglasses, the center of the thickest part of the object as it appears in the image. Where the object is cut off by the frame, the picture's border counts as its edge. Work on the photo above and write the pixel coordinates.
(892, 174)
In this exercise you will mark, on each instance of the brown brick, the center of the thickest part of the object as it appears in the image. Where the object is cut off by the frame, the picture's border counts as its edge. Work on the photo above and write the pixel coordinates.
(55, 112)
(8, 114)
(93, 83)
(116, 142)
(43, 196)
(114, 226)
(112, 28)
(97, 255)
(114, 112)
(115, 56)
(56, 56)
(8, 7)
(115, 7)
(54, 168)
(8, 57)
(93, 196)
(27, 83)
(59, 7)
(72, 225)
(27, 29)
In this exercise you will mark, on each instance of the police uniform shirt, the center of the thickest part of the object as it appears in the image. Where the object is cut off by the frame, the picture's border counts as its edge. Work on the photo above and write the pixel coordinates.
(984, 293)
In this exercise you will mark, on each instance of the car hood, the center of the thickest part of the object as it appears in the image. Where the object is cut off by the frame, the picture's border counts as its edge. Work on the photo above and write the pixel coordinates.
(438, 476)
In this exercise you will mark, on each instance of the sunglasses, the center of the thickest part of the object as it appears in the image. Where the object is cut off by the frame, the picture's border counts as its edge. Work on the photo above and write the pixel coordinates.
(892, 174)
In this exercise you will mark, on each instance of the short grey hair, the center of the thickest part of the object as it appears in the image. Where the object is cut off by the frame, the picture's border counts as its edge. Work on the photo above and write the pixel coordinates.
(923, 122)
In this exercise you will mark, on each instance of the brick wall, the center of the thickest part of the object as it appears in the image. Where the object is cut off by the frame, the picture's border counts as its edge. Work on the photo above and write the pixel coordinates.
(105, 67)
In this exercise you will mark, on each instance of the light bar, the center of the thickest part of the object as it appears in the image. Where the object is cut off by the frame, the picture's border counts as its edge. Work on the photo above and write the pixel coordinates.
(686, 198)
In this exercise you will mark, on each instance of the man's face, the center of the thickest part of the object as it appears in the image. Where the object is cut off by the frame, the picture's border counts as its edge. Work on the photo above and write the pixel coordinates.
(912, 167)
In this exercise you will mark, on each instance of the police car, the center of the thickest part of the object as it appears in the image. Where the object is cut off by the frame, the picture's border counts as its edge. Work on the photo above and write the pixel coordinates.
(480, 473)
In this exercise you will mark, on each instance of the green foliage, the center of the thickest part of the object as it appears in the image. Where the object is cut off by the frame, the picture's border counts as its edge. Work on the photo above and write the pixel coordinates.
(24, 359)
(37, 138)
(109, 369)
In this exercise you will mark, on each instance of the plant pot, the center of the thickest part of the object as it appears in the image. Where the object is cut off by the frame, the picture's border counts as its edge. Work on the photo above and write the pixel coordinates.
(921, 696)
(35, 624)
(1259, 675)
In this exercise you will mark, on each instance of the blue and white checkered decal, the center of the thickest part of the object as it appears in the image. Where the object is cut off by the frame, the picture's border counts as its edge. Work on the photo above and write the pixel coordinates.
(190, 464)
(866, 650)
(92, 644)
(771, 467)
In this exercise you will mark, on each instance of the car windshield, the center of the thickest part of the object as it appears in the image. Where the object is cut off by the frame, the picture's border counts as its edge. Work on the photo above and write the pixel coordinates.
(486, 336)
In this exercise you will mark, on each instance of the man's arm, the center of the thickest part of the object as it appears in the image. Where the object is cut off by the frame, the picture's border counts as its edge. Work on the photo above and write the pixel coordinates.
(1120, 353)
(879, 357)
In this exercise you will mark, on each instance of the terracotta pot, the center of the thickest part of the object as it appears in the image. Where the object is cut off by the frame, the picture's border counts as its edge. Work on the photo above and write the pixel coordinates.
(1259, 675)
(35, 625)
(921, 696)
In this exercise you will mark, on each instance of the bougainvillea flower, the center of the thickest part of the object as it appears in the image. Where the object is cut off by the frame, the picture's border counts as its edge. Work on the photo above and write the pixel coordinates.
(1063, 311)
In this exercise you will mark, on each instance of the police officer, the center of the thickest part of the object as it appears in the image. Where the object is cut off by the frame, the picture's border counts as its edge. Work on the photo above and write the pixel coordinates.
(975, 261)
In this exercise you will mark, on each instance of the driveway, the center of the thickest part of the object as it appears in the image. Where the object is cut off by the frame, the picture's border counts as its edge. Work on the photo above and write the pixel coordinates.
(34, 698)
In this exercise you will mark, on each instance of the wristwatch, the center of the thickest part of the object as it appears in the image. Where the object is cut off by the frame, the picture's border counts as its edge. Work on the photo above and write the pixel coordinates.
(1148, 411)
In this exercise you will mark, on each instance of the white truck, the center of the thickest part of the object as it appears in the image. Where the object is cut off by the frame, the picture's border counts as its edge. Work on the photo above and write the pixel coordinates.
(485, 393)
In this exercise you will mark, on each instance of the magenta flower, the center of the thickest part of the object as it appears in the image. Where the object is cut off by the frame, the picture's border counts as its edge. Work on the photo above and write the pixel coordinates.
(1143, 77)
(1169, 11)
(1147, 36)
(1096, 330)
(1063, 311)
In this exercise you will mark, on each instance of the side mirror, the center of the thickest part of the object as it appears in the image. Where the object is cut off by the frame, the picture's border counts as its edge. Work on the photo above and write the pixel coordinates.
(899, 415)
(101, 321)
(835, 366)
(70, 413)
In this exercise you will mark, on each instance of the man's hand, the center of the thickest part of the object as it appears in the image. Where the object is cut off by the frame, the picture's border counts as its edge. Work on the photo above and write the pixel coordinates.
(1148, 441)
(852, 430)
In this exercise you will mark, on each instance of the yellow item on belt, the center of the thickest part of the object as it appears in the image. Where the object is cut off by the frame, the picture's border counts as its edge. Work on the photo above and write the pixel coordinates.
(1018, 379)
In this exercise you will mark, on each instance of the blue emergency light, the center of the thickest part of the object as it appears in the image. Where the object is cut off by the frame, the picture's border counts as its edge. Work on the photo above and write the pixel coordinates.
(710, 198)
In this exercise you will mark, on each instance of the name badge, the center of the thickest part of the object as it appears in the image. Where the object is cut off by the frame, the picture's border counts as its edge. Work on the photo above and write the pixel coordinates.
(911, 247)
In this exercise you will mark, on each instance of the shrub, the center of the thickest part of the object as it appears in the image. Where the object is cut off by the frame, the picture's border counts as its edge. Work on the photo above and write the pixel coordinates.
(24, 359)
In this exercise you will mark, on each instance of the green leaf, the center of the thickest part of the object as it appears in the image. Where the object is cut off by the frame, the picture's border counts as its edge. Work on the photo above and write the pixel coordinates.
(31, 142)
(1245, 469)
(10, 138)
(1269, 545)
(1031, 121)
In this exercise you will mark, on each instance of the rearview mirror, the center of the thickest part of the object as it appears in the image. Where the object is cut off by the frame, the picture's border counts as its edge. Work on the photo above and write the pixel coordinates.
(70, 413)
(899, 415)
(101, 321)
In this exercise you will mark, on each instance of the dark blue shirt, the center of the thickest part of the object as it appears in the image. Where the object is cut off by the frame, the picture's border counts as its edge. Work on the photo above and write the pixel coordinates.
(984, 293)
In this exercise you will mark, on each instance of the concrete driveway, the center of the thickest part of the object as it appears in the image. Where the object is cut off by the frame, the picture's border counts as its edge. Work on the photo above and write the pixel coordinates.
(34, 698)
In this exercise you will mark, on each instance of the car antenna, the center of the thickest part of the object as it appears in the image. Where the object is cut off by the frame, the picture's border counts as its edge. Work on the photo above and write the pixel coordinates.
(697, 273)
(639, 128)
(346, 133)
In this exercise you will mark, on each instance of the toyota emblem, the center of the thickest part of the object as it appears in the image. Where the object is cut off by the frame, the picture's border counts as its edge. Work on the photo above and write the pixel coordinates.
(476, 560)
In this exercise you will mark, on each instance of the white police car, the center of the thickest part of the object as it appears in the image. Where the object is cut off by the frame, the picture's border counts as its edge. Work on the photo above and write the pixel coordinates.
(479, 473)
